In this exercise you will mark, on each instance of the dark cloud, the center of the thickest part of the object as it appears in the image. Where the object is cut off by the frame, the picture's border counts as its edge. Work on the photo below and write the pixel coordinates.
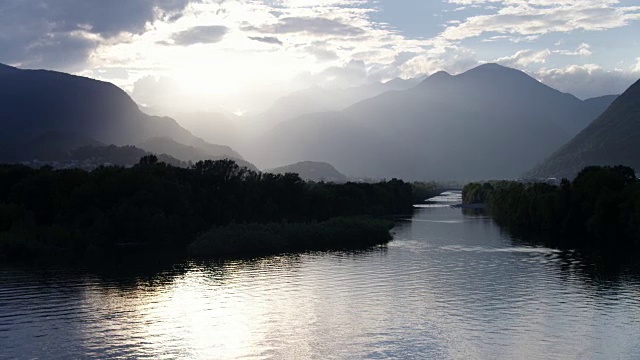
(200, 35)
(49, 33)
(310, 25)
(266, 39)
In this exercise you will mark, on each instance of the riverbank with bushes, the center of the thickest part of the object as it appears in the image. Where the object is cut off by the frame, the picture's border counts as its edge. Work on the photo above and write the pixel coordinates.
(599, 210)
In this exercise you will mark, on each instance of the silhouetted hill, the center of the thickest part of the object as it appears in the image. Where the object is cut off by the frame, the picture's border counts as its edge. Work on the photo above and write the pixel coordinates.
(37, 102)
(165, 145)
(90, 157)
(611, 139)
(312, 170)
(489, 122)
(47, 147)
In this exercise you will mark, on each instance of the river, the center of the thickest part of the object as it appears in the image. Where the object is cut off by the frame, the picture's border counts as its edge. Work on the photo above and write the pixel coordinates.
(449, 286)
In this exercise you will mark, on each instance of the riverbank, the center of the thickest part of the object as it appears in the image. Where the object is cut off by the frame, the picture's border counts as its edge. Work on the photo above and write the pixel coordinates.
(481, 206)
(597, 212)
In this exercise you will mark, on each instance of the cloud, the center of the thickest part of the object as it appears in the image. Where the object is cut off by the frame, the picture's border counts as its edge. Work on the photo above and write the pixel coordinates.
(538, 17)
(61, 34)
(636, 69)
(322, 54)
(200, 35)
(152, 91)
(454, 61)
(583, 50)
(588, 80)
(524, 58)
(266, 39)
(318, 26)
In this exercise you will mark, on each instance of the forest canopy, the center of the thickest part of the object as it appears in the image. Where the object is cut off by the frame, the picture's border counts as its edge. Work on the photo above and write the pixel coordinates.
(600, 209)
(74, 213)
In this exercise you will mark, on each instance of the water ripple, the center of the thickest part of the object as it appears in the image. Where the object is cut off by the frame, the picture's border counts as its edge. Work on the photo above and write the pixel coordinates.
(448, 287)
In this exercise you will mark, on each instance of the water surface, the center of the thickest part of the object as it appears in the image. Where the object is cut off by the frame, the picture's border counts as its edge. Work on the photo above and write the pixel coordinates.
(449, 286)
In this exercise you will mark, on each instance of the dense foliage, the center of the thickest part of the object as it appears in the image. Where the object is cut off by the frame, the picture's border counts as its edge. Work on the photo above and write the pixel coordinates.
(426, 190)
(73, 213)
(273, 238)
(599, 209)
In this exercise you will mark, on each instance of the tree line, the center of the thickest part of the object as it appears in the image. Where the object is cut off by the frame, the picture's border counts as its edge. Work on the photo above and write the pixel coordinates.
(599, 209)
(75, 213)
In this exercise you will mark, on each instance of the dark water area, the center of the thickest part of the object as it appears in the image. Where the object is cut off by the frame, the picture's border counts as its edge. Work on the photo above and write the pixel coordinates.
(451, 285)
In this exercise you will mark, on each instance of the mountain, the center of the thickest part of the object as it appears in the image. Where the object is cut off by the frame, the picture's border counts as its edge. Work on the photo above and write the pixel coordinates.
(489, 122)
(36, 102)
(165, 145)
(317, 99)
(312, 170)
(601, 102)
(46, 147)
(611, 139)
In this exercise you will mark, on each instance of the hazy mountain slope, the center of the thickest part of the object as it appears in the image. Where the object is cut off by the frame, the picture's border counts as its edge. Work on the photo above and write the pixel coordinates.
(490, 122)
(115, 155)
(332, 138)
(218, 128)
(317, 99)
(35, 102)
(165, 145)
(601, 103)
(47, 147)
(312, 170)
(612, 139)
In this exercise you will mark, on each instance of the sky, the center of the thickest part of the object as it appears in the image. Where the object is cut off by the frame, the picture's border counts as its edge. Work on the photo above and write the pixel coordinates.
(238, 56)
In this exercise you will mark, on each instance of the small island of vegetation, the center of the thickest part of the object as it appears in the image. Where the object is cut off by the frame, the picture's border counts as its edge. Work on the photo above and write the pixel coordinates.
(599, 210)
(212, 209)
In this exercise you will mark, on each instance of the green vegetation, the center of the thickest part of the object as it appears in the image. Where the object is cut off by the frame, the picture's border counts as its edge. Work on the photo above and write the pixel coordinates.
(274, 238)
(476, 193)
(75, 214)
(600, 209)
(426, 190)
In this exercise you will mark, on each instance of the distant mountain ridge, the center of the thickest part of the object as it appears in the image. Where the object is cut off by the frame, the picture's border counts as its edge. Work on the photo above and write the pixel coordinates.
(611, 139)
(34, 103)
(317, 99)
(166, 145)
(312, 170)
(489, 122)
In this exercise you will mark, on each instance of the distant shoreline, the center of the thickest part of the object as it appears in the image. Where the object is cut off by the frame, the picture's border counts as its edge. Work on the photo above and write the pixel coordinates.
(469, 206)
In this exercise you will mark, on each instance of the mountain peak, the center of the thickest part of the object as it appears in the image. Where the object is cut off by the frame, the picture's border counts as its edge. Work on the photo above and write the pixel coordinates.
(440, 75)
(492, 69)
(437, 77)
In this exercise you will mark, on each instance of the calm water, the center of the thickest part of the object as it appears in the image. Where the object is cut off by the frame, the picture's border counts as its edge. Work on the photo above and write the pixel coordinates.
(449, 286)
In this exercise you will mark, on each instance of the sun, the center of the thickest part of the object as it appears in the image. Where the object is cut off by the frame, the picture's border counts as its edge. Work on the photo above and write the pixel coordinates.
(203, 75)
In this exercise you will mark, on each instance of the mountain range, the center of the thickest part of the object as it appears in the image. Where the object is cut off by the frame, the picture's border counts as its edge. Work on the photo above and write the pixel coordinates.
(313, 171)
(612, 139)
(45, 112)
(489, 122)
(237, 130)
